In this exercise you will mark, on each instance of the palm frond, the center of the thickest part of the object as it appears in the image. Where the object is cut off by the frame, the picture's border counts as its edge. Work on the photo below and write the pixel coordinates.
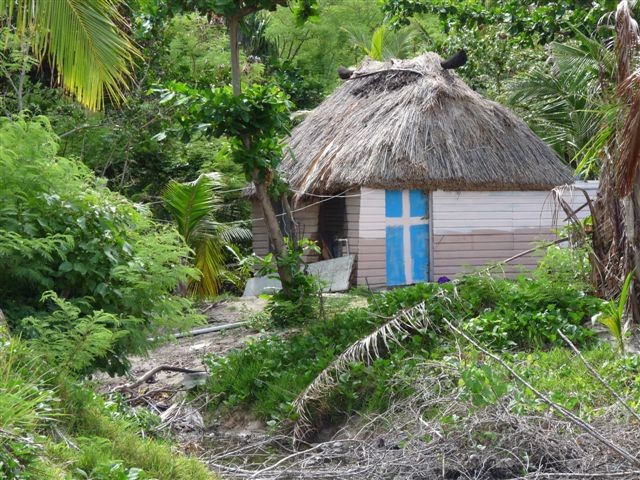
(384, 43)
(83, 39)
(364, 350)
(377, 43)
(209, 260)
(190, 204)
(235, 234)
(563, 101)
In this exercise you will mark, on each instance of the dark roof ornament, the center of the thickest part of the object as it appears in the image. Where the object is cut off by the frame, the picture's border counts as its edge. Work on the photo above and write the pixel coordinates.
(456, 61)
(345, 73)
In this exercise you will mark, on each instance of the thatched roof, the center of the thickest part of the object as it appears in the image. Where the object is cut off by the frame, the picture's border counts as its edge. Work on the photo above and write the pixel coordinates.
(415, 125)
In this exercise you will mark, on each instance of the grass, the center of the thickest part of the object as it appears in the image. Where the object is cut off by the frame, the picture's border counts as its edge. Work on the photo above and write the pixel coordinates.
(563, 376)
(103, 439)
(51, 427)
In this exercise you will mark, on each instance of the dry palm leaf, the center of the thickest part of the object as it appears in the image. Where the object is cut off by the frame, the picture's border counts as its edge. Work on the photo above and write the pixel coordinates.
(365, 350)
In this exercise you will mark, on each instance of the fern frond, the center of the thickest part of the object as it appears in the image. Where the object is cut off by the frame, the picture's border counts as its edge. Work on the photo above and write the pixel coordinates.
(71, 341)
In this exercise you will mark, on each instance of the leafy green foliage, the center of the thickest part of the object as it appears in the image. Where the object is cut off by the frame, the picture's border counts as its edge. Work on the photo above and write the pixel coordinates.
(502, 38)
(253, 121)
(296, 305)
(483, 384)
(526, 313)
(320, 46)
(527, 23)
(70, 341)
(613, 313)
(269, 373)
(504, 314)
(192, 206)
(302, 8)
(567, 381)
(197, 51)
(304, 91)
(64, 231)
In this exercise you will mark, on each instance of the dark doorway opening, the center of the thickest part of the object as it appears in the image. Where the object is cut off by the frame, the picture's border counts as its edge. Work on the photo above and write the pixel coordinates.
(332, 228)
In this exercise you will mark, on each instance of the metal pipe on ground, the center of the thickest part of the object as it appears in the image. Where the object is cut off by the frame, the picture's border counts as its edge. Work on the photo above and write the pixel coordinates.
(217, 328)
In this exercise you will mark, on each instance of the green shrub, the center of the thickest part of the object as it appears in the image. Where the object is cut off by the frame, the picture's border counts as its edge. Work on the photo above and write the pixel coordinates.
(502, 314)
(438, 299)
(297, 304)
(527, 313)
(269, 373)
(62, 230)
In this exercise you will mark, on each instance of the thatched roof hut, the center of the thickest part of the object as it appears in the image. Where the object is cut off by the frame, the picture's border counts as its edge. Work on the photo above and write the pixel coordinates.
(412, 124)
(418, 176)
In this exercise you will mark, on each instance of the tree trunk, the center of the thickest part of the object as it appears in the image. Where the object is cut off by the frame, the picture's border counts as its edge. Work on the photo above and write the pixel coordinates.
(632, 232)
(234, 28)
(273, 229)
(262, 193)
(292, 225)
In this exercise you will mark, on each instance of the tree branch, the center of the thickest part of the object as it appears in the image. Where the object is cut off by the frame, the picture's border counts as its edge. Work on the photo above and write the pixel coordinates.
(577, 421)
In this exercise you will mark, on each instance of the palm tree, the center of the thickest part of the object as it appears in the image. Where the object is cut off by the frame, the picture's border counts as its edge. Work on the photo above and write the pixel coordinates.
(83, 40)
(192, 206)
(384, 43)
(613, 100)
(568, 101)
(619, 191)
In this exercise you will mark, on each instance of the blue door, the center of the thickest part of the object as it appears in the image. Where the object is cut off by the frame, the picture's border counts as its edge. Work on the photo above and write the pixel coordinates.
(407, 235)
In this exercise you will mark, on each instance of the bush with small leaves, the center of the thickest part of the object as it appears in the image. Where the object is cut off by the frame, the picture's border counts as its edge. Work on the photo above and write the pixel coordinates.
(104, 257)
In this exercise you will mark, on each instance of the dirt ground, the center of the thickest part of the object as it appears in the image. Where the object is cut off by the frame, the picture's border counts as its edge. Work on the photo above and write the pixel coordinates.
(188, 352)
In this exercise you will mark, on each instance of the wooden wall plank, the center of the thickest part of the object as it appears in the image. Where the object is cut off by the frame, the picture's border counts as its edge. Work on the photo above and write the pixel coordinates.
(471, 229)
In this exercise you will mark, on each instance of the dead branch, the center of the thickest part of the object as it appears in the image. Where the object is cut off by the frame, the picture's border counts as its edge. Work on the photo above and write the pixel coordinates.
(151, 373)
(217, 328)
(593, 372)
(400, 442)
(577, 421)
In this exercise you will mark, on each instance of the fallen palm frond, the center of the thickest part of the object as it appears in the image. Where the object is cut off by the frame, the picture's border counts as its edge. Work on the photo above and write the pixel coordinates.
(409, 440)
(417, 319)
(628, 40)
(627, 165)
(365, 350)
(560, 195)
